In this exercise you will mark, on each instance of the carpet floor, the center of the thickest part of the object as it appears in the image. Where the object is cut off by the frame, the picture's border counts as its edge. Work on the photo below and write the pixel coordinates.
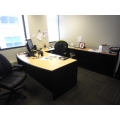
(91, 89)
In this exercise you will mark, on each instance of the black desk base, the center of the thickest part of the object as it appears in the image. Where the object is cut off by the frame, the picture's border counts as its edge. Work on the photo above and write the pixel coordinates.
(97, 62)
(57, 81)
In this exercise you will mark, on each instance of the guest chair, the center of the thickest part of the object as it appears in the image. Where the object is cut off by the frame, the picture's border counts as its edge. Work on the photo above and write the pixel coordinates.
(11, 78)
(61, 48)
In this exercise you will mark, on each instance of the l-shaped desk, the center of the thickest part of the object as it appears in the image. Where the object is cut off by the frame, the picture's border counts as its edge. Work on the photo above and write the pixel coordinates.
(58, 76)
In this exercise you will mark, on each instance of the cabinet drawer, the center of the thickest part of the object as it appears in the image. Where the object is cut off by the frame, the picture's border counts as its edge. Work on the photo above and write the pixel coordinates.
(96, 67)
(97, 57)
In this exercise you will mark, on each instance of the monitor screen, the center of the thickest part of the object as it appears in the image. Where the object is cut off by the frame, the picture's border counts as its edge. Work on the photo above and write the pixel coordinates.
(29, 45)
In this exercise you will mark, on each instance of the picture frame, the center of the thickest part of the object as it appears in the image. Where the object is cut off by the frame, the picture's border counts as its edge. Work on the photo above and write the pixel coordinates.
(45, 33)
(82, 45)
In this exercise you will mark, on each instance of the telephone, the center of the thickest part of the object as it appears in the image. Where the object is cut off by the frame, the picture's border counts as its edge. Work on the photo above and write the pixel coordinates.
(114, 49)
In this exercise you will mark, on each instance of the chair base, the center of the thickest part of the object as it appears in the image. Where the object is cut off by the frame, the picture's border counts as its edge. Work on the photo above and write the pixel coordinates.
(12, 92)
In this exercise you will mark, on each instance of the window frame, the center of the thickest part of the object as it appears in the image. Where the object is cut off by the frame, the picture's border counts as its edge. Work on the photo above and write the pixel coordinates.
(25, 33)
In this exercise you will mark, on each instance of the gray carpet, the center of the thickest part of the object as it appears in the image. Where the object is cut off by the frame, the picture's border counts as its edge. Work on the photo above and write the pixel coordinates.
(91, 89)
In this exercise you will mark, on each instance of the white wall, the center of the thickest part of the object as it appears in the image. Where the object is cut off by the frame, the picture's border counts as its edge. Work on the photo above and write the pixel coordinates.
(94, 29)
(11, 53)
(38, 22)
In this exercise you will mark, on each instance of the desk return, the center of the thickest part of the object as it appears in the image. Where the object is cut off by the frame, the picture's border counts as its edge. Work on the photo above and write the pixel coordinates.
(97, 62)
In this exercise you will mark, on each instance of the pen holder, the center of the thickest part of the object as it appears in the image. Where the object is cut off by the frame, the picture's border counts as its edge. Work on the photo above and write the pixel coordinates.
(41, 53)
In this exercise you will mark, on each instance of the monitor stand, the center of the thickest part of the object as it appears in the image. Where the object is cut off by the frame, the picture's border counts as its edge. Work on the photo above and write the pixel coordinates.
(31, 54)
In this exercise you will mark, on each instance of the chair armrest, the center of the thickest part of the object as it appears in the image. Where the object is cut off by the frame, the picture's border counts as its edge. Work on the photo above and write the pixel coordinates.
(17, 67)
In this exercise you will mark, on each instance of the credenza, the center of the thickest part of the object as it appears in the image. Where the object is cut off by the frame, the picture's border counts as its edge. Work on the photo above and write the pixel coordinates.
(98, 62)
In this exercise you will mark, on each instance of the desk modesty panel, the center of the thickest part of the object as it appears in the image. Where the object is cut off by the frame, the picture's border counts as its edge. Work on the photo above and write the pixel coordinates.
(58, 76)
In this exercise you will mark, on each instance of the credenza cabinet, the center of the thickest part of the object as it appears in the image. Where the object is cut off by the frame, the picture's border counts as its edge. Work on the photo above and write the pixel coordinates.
(97, 62)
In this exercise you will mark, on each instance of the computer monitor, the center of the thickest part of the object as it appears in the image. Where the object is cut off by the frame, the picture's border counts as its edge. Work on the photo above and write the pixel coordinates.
(29, 45)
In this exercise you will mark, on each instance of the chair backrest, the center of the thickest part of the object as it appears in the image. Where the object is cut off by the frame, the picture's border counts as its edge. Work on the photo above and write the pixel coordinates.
(61, 48)
(5, 66)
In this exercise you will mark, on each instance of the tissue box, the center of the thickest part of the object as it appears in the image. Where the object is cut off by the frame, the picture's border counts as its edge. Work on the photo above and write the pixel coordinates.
(104, 48)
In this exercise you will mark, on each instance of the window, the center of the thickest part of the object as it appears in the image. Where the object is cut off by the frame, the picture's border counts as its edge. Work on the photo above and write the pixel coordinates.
(12, 31)
(53, 27)
(9, 19)
(13, 41)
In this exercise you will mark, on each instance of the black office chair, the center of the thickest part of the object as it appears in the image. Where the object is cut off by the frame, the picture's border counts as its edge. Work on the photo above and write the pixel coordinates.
(61, 48)
(11, 78)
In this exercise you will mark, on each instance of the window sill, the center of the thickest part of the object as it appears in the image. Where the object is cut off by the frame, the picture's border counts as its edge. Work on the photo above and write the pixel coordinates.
(53, 42)
(11, 48)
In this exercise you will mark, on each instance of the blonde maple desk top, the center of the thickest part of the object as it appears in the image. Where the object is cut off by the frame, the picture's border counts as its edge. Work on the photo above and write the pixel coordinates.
(48, 64)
